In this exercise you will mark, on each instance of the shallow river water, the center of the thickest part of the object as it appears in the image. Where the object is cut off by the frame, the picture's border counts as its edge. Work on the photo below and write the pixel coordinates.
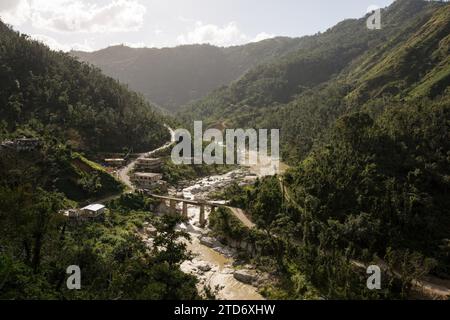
(213, 268)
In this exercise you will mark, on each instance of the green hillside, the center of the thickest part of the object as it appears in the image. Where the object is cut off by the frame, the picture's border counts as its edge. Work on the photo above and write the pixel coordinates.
(56, 168)
(347, 68)
(72, 109)
(416, 67)
(171, 77)
(366, 130)
(42, 88)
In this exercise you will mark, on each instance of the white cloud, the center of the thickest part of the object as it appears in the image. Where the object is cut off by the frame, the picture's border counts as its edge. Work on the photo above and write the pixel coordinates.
(135, 44)
(50, 18)
(372, 8)
(56, 45)
(15, 12)
(228, 35)
(138, 45)
(130, 44)
(75, 15)
(210, 33)
(262, 36)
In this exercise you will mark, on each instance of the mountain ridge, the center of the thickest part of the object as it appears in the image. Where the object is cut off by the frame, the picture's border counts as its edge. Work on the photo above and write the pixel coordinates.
(46, 90)
(303, 92)
(190, 71)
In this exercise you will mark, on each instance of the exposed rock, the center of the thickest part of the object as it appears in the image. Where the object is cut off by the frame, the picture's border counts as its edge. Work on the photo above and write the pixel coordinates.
(245, 276)
(227, 270)
(224, 251)
(207, 269)
(204, 267)
(195, 190)
(209, 242)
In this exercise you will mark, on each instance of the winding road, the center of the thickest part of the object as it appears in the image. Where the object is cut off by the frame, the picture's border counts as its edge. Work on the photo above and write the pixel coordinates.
(123, 174)
(431, 286)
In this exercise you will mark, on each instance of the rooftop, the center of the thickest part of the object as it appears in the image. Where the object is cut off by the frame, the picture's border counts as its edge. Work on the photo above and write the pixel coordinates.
(26, 140)
(147, 174)
(93, 207)
(149, 159)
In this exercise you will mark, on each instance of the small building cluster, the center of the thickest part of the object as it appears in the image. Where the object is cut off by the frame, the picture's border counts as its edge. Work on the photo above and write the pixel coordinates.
(92, 212)
(147, 175)
(21, 144)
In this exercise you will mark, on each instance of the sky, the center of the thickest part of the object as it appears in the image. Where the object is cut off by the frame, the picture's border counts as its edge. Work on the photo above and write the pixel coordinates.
(95, 24)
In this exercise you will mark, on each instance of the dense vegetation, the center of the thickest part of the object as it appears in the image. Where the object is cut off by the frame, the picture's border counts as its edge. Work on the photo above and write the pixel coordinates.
(369, 147)
(54, 167)
(365, 123)
(171, 77)
(347, 68)
(37, 245)
(72, 109)
(46, 89)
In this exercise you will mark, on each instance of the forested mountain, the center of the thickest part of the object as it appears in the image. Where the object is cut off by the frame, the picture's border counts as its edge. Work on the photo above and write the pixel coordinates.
(66, 106)
(365, 126)
(42, 88)
(343, 69)
(172, 77)
(367, 133)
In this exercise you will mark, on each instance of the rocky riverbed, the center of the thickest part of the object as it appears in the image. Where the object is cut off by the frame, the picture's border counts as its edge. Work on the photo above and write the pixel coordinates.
(214, 264)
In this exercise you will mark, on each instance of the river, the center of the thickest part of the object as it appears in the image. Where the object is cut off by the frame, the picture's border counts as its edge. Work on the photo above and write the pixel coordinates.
(213, 267)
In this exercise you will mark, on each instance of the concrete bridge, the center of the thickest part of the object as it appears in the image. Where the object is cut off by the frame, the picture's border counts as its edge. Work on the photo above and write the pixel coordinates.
(238, 213)
(185, 202)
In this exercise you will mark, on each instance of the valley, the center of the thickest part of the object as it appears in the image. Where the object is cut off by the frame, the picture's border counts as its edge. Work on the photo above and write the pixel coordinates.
(213, 263)
(363, 117)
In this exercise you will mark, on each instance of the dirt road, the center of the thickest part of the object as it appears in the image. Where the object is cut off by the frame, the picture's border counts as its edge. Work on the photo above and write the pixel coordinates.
(239, 213)
(123, 174)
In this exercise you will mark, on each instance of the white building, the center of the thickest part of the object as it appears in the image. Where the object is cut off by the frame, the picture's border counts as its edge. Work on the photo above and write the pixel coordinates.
(152, 164)
(91, 212)
(146, 180)
(117, 162)
(94, 209)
